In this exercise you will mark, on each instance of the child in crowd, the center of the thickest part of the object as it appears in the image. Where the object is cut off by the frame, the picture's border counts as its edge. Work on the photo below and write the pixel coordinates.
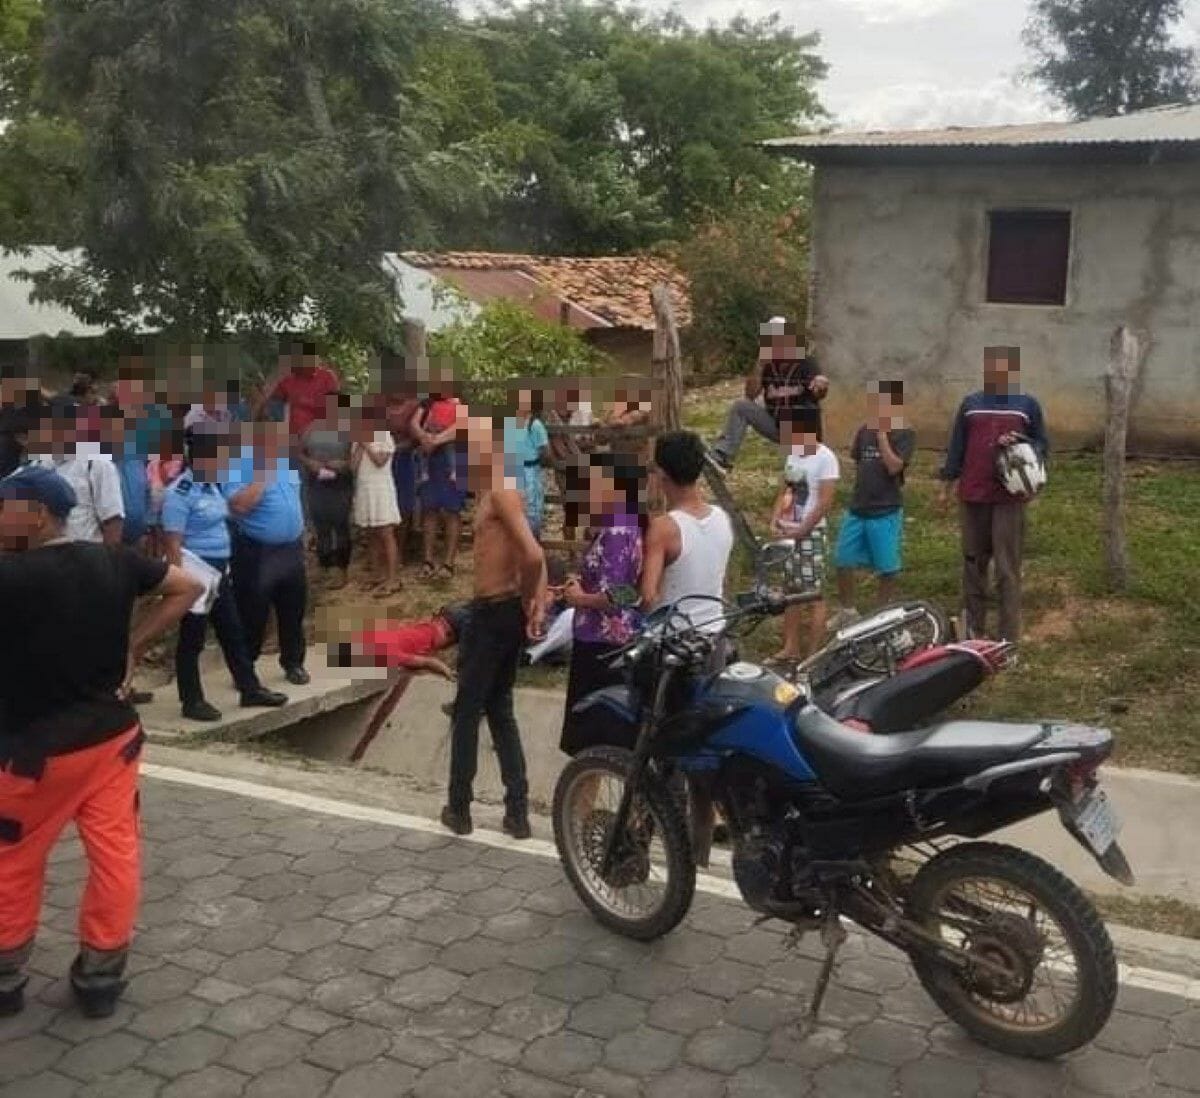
(802, 509)
(527, 454)
(375, 506)
(441, 480)
(873, 528)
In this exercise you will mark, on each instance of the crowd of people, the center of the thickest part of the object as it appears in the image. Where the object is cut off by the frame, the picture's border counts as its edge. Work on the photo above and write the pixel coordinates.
(123, 518)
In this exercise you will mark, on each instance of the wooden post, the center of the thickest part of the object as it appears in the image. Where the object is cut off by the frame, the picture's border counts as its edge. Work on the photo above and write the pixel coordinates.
(667, 364)
(1126, 356)
(416, 347)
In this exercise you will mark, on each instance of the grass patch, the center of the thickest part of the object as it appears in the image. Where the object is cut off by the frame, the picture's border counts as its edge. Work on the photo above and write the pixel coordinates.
(1154, 913)
(1131, 663)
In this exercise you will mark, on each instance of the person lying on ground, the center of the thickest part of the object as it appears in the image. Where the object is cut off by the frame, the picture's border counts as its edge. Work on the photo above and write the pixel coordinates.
(405, 644)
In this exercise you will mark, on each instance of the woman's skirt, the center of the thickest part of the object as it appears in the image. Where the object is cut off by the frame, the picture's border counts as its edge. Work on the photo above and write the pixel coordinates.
(599, 727)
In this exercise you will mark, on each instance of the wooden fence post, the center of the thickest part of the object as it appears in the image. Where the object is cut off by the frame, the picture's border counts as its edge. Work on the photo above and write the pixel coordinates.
(416, 347)
(667, 364)
(1126, 356)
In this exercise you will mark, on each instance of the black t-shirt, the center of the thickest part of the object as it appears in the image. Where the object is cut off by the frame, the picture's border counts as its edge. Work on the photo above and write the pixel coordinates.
(64, 642)
(786, 384)
(876, 491)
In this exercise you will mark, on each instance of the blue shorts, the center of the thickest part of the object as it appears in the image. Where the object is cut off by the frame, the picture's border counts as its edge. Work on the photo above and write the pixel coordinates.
(872, 544)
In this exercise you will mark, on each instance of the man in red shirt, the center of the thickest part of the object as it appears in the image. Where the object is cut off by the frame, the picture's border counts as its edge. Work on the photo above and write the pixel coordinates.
(304, 382)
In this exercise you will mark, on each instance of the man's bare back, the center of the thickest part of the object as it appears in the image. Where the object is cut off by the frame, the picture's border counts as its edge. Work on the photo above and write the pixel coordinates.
(497, 555)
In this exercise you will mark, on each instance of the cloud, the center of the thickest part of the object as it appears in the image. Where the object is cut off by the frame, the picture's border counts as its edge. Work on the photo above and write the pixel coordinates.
(927, 105)
(899, 11)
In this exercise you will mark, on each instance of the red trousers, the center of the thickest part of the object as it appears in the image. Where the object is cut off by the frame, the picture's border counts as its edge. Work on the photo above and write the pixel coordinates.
(97, 789)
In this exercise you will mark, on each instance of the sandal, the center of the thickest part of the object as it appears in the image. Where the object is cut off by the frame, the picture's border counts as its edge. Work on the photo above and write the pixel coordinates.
(428, 570)
(446, 572)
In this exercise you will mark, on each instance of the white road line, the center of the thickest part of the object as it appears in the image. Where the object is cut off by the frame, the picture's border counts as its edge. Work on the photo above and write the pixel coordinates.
(1167, 983)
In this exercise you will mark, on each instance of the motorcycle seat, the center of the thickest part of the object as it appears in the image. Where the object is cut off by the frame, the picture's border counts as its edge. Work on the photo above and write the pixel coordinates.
(854, 767)
(912, 698)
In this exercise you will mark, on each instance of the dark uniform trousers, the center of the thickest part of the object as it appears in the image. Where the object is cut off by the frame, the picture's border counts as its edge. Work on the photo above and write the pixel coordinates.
(267, 577)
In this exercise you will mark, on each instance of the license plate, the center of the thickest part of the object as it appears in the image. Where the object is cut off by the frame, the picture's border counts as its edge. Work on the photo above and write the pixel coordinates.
(1097, 822)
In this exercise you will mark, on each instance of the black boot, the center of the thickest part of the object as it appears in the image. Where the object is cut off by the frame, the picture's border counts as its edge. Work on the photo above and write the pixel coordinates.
(98, 989)
(457, 820)
(516, 824)
(262, 698)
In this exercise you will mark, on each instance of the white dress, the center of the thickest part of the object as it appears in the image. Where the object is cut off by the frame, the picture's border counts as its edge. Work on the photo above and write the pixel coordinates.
(374, 489)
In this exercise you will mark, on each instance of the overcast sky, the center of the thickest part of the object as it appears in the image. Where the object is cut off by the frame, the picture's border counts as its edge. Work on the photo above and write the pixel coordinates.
(916, 63)
(912, 63)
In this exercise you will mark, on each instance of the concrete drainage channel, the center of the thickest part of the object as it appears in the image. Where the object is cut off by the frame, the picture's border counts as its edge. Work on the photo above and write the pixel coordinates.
(414, 744)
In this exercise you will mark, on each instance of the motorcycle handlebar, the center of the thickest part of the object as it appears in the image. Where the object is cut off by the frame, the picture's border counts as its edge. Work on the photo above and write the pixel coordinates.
(763, 604)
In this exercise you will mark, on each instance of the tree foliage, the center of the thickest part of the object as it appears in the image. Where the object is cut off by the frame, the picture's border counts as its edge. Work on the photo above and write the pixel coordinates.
(505, 341)
(744, 267)
(243, 163)
(1110, 57)
(624, 128)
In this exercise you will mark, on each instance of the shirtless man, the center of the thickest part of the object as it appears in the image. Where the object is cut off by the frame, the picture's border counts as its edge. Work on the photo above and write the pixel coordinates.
(507, 610)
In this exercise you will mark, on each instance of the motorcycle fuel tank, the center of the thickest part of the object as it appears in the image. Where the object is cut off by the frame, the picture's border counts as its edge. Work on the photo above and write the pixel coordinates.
(759, 724)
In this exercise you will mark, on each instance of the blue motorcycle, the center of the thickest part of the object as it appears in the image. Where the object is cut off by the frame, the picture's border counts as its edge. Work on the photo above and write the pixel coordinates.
(831, 824)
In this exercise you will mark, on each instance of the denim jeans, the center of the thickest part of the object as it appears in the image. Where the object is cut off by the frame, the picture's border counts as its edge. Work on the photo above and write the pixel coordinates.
(489, 652)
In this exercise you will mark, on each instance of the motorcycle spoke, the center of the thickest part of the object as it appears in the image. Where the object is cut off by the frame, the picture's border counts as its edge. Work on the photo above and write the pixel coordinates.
(1005, 931)
(641, 874)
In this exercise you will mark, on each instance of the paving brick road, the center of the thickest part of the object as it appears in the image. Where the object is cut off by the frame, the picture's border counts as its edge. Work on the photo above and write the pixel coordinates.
(287, 953)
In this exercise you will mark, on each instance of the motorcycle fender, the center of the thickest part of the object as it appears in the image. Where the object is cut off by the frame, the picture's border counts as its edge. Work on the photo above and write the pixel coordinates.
(1113, 861)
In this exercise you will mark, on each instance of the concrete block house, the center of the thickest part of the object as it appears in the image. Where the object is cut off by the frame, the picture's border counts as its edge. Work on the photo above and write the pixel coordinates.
(929, 245)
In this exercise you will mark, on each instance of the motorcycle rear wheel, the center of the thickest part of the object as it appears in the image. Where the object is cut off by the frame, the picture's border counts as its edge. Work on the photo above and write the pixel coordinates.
(986, 898)
(650, 891)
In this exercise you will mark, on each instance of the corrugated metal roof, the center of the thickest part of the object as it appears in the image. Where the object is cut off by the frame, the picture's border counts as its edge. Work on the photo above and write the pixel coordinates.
(1162, 125)
(20, 318)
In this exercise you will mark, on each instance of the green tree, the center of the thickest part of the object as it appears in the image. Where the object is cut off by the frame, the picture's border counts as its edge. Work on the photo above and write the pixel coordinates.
(505, 341)
(243, 163)
(1110, 57)
(622, 128)
(744, 267)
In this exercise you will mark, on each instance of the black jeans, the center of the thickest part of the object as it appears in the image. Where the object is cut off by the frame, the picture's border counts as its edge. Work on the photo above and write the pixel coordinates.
(228, 626)
(329, 507)
(489, 652)
(266, 576)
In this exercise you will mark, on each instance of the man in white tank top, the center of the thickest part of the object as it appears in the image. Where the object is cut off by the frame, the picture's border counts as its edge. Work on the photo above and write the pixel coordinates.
(686, 554)
(687, 549)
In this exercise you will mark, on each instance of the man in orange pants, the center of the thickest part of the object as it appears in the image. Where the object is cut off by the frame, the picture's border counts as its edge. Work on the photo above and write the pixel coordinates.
(69, 739)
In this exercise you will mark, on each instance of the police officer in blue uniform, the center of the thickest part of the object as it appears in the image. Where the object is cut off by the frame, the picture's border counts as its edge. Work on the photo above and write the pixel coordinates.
(268, 549)
(196, 517)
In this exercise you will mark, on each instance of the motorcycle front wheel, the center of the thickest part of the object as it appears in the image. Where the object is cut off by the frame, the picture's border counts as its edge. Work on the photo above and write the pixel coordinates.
(1037, 974)
(649, 887)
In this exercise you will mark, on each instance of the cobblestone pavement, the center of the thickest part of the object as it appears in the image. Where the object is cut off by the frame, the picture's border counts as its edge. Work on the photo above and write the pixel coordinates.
(295, 954)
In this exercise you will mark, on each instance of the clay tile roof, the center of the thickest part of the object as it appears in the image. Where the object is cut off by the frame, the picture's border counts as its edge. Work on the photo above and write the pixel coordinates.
(608, 292)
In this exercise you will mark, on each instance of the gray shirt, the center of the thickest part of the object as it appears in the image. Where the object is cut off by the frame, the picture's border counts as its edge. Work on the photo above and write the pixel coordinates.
(876, 491)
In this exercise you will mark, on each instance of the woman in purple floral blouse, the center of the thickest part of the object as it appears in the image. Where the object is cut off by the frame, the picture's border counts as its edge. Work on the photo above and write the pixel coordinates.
(611, 564)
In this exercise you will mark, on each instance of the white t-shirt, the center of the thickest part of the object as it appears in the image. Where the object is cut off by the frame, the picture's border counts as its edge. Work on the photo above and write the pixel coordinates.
(97, 487)
(804, 474)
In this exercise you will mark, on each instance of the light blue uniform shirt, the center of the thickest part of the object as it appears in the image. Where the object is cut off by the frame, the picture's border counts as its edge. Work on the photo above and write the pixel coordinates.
(201, 514)
(277, 518)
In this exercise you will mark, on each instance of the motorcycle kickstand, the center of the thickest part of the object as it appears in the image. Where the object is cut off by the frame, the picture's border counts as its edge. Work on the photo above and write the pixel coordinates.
(833, 936)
